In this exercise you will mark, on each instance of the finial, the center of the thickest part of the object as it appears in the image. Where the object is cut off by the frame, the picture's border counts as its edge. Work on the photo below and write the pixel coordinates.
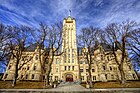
(69, 12)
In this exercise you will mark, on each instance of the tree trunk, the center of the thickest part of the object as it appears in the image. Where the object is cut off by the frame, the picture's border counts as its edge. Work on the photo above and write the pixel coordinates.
(49, 69)
(16, 73)
(122, 81)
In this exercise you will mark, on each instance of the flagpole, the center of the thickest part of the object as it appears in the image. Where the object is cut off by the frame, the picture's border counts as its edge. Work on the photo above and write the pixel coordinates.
(69, 12)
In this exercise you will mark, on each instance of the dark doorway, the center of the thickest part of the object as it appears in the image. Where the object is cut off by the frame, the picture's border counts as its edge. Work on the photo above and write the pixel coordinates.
(69, 78)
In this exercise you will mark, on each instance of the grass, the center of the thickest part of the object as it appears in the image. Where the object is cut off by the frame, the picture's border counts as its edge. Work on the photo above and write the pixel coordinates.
(22, 85)
(128, 84)
(40, 85)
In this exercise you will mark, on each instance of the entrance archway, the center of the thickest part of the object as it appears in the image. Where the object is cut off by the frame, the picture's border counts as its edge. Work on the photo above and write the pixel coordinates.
(69, 78)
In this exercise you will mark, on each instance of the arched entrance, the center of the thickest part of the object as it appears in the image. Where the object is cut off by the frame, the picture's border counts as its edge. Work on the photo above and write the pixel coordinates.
(69, 78)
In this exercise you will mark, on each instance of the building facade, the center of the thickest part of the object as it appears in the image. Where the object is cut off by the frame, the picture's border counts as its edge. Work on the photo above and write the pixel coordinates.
(72, 65)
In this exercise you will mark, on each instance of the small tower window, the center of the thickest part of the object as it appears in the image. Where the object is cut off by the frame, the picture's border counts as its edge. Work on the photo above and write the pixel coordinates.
(72, 55)
(68, 67)
(72, 60)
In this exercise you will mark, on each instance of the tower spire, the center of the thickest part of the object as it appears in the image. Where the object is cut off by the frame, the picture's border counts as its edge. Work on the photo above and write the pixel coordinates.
(69, 12)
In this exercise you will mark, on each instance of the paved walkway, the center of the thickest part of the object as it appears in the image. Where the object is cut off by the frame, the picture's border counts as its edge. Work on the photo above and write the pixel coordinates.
(71, 87)
(114, 90)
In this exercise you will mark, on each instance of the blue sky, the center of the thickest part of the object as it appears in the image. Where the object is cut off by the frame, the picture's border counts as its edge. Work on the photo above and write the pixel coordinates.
(97, 13)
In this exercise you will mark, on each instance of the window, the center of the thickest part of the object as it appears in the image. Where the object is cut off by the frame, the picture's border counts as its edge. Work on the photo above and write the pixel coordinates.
(69, 61)
(102, 57)
(86, 62)
(26, 76)
(94, 77)
(82, 77)
(111, 68)
(36, 57)
(108, 58)
(56, 77)
(104, 68)
(81, 70)
(72, 67)
(46, 62)
(81, 62)
(65, 67)
(32, 76)
(68, 67)
(28, 67)
(72, 55)
(72, 60)
(21, 76)
(93, 70)
(68, 50)
(106, 76)
(34, 67)
(72, 50)
(86, 70)
(57, 61)
(129, 67)
(56, 69)
(9, 67)
(69, 55)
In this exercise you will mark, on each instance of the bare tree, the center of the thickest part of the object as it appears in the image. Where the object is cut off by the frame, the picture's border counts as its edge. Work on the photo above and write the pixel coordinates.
(117, 36)
(17, 45)
(5, 35)
(87, 38)
(50, 41)
(134, 46)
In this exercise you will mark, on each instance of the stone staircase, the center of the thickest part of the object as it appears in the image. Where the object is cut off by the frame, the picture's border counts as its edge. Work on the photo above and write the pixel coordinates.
(63, 83)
